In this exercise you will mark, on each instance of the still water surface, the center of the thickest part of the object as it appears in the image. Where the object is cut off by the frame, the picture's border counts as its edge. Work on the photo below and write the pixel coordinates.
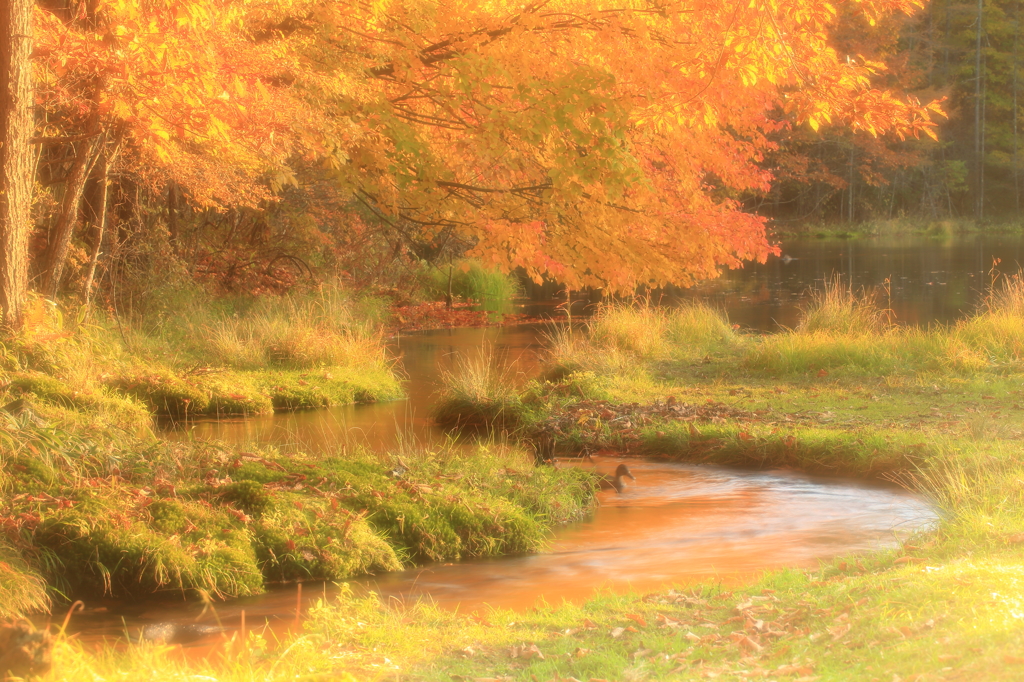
(678, 522)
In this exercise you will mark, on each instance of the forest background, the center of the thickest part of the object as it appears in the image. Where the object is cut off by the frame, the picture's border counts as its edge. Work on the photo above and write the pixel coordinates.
(252, 146)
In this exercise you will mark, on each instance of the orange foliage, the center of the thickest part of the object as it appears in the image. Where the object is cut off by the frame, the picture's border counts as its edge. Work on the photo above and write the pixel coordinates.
(599, 143)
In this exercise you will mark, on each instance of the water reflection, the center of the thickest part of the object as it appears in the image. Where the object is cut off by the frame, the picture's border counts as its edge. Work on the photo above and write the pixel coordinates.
(927, 279)
(679, 522)
(423, 357)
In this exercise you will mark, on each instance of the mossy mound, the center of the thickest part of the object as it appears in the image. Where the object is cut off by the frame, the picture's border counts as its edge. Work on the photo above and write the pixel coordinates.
(135, 517)
(236, 393)
(124, 547)
(458, 412)
(436, 512)
(303, 539)
(48, 388)
(51, 395)
(301, 390)
(163, 392)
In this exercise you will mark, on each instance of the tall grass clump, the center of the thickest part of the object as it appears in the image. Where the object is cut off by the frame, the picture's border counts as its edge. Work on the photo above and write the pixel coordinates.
(321, 328)
(22, 590)
(480, 392)
(849, 331)
(837, 309)
(690, 330)
(978, 488)
(997, 330)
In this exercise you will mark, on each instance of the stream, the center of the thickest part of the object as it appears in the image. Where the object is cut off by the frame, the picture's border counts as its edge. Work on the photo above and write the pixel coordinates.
(675, 524)
(678, 522)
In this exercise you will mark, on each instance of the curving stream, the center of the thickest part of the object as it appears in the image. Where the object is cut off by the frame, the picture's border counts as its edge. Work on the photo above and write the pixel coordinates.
(677, 523)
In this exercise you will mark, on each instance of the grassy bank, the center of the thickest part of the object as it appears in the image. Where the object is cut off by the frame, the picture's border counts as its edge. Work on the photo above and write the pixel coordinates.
(944, 606)
(93, 504)
(193, 356)
(125, 517)
(846, 392)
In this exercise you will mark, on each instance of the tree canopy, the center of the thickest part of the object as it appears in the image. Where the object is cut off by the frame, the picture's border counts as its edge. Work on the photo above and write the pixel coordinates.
(606, 144)
(596, 143)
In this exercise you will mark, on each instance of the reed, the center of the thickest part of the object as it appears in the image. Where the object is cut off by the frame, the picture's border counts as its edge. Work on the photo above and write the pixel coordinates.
(481, 392)
(837, 309)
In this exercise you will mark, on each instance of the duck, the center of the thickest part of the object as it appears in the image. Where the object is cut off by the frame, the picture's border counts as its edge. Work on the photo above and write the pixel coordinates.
(615, 482)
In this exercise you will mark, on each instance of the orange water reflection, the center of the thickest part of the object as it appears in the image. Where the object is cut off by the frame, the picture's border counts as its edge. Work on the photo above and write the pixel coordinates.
(678, 523)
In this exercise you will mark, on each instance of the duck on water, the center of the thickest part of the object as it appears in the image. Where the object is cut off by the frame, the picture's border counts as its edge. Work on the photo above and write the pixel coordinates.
(615, 482)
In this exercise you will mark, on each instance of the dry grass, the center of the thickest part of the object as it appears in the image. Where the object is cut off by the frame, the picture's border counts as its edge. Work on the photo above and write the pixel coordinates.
(837, 309)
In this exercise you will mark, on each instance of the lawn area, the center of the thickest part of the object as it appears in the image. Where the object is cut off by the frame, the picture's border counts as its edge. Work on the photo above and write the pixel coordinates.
(936, 410)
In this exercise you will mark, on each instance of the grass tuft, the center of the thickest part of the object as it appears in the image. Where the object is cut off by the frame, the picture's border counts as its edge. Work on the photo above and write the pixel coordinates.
(480, 393)
(837, 309)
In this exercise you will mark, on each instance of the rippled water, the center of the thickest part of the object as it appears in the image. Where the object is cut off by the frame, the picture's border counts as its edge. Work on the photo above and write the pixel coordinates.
(678, 522)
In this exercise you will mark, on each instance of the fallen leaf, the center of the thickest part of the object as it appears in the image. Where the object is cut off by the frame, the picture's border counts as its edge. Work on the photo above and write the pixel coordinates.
(801, 670)
(667, 622)
(639, 620)
(744, 641)
(617, 632)
(839, 631)
(526, 652)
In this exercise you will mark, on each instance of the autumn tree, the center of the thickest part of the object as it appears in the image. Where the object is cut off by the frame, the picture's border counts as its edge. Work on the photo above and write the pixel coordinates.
(15, 155)
(176, 93)
(599, 144)
(595, 143)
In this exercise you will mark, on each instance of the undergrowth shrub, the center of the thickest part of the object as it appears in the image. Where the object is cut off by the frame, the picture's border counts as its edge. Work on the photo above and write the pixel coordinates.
(492, 289)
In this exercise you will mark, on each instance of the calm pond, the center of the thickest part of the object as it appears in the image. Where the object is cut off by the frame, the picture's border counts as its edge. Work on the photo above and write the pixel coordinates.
(678, 522)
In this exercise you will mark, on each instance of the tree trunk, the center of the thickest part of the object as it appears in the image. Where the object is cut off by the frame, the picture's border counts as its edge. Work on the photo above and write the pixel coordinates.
(74, 185)
(172, 212)
(1016, 162)
(100, 215)
(16, 123)
(979, 161)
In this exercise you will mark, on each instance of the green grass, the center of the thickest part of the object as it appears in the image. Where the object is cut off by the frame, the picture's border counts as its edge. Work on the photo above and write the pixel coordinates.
(490, 289)
(129, 517)
(226, 357)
